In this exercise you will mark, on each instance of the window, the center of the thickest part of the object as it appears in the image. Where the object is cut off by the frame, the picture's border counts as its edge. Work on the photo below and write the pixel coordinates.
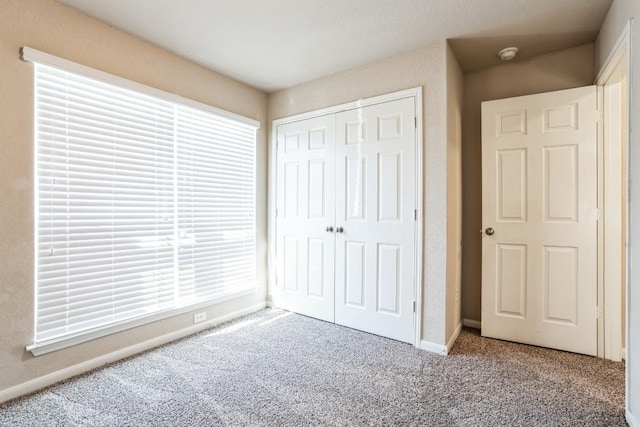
(144, 205)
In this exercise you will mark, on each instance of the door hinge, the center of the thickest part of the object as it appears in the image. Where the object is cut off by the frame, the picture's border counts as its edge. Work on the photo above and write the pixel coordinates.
(414, 306)
(415, 122)
(598, 313)
(415, 214)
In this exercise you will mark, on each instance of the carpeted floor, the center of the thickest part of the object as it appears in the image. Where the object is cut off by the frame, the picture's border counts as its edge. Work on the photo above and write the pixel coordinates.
(277, 368)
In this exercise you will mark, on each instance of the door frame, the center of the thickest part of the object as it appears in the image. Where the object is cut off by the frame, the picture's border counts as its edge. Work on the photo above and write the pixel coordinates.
(610, 174)
(416, 94)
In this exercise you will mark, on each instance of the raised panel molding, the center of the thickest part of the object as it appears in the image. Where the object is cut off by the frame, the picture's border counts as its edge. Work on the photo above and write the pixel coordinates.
(512, 280)
(511, 194)
(560, 119)
(356, 132)
(511, 123)
(389, 186)
(316, 190)
(291, 264)
(388, 280)
(355, 191)
(355, 274)
(315, 268)
(389, 127)
(560, 284)
(291, 142)
(317, 139)
(291, 189)
(560, 196)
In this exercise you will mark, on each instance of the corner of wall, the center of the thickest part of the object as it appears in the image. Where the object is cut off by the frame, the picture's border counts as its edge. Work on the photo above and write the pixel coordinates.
(455, 88)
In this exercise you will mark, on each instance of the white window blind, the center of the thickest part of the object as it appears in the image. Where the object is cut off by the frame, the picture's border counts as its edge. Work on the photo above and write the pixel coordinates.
(215, 183)
(143, 205)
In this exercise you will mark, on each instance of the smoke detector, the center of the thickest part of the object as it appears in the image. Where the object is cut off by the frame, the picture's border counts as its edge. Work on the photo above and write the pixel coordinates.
(508, 53)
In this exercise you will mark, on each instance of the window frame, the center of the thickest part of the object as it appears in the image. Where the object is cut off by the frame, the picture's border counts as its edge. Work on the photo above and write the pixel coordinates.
(50, 345)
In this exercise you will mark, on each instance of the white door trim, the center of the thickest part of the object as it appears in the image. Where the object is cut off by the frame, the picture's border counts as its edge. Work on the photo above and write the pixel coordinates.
(416, 94)
(620, 50)
(393, 96)
(609, 174)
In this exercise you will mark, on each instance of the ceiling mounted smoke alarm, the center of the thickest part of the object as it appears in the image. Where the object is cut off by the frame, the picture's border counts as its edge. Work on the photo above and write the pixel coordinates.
(508, 53)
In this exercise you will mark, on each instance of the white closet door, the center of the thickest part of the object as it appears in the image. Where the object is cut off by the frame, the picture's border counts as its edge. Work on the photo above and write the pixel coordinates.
(306, 207)
(375, 202)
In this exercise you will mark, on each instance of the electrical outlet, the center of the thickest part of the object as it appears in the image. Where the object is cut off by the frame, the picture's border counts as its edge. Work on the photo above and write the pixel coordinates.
(200, 317)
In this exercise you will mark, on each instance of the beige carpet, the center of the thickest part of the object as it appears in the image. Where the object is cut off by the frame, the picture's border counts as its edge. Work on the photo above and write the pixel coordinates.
(276, 368)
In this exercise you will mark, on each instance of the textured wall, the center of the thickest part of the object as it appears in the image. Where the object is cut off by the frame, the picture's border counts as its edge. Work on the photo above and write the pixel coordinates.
(560, 70)
(619, 14)
(50, 27)
(455, 86)
(424, 67)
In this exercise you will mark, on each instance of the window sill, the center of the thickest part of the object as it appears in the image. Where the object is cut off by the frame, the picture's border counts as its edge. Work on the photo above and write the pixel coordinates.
(50, 346)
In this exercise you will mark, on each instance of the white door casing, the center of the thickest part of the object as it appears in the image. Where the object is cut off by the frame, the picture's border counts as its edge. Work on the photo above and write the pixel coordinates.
(375, 202)
(306, 207)
(369, 189)
(539, 180)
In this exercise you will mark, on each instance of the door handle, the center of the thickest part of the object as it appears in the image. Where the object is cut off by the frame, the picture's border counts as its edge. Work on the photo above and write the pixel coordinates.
(329, 229)
(489, 231)
(339, 230)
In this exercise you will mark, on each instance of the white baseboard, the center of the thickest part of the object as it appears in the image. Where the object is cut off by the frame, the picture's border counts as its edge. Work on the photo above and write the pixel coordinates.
(631, 420)
(470, 323)
(88, 365)
(439, 348)
(433, 347)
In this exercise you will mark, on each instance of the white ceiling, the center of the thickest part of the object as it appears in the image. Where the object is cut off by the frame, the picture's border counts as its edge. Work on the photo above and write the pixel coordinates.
(274, 44)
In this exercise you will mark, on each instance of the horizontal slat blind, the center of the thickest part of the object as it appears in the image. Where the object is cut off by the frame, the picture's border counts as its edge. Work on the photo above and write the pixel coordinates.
(143, 204)
(215, 183)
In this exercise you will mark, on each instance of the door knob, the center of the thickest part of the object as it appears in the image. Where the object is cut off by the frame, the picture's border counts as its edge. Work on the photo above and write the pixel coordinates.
(339, 230)
(489, 231)
(329, 229)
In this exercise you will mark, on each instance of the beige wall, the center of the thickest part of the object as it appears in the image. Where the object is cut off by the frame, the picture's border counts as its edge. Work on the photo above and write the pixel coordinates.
(560, 70)
(455, 83)
(620, 13)
(425, 67)
(52, 28)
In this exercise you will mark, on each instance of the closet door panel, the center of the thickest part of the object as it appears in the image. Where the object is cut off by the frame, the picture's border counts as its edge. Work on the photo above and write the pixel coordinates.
(375, 202)
(305, 201)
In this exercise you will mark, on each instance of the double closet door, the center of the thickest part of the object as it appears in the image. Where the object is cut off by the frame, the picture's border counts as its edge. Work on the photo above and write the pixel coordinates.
(345, 218)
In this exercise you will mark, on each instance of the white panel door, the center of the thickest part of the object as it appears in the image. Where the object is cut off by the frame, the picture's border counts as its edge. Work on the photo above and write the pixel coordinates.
(375, 225)
(539, 213)
(305, 199)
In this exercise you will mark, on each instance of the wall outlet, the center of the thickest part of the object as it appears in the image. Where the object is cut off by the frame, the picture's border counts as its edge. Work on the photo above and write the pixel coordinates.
(200, 317)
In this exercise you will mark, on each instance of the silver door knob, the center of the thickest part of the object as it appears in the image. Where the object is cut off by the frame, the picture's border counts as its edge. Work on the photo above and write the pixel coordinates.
(489, 231)
(329, 229)
(339, 230)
